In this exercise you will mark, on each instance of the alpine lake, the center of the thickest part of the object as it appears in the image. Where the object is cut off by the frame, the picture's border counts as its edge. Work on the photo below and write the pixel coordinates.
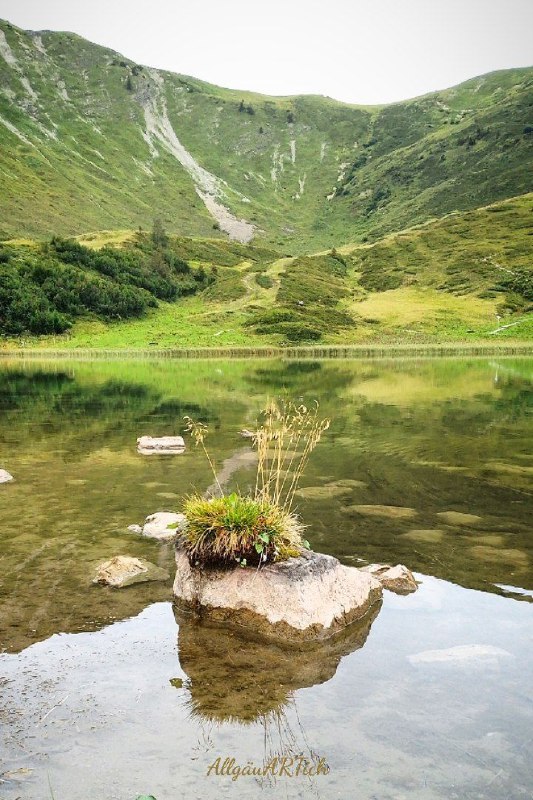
(110, 694)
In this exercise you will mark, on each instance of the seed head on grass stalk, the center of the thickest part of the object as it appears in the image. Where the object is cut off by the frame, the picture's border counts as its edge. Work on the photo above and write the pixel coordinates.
(285, 428)
(198, 432)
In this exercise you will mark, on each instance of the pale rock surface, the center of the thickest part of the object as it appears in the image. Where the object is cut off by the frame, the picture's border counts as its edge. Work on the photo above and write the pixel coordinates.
(123, 571)
(135, 528)
(458, 518)
(5, 476)
(396, 579)
(392, 512)
(161, 445)
(306, 598)
(157, 526)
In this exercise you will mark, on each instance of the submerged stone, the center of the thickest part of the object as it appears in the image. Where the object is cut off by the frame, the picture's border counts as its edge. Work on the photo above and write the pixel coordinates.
(507, 555)
(351, 482)
(162, 445)
(458, 518)
(491, 539)
(393, 512)
(322, 492)
(123, 571)
(398, 579)
(302, 599)
(5, 476)
(426, 535)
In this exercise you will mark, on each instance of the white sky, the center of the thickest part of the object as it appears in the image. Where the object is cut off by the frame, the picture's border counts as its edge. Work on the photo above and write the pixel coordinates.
(359, 51)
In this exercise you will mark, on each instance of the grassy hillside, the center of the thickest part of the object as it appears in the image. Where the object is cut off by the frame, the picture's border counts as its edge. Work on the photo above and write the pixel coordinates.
(89, 140)
(467, 277)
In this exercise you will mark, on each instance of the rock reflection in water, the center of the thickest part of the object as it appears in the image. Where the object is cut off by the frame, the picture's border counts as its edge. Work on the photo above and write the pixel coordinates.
(235, 676)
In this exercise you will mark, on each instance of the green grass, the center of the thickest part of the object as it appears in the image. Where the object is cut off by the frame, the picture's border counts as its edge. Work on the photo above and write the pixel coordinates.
(224, 531)
(446, 272)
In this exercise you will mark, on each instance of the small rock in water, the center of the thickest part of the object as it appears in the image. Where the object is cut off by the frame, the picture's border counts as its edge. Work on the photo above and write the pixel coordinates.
(5, 476)
(458, 518)
(393, 512)
(123, 571)
(162, 445)
(246, 434)
(398, 579)
(164, 525)
(135, 528)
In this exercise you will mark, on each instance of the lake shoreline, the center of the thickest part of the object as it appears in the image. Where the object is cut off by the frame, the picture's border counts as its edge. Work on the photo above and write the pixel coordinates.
(323, 351)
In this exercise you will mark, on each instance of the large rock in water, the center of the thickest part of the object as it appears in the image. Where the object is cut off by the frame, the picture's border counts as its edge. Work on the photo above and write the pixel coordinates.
(306, 598)
(5, 476)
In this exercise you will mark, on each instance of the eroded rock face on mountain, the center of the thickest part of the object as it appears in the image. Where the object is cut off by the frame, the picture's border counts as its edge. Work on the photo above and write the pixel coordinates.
(301, 599)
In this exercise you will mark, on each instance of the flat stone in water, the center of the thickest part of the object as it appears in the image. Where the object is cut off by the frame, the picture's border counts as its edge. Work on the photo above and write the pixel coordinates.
(351, 482)
(164, 525)
(429, 535)
(160, 445)
(322, 492)
(397, 579)
(492, 539)
(5, 476)
(393, 512)
(122, 571)
(458, 518)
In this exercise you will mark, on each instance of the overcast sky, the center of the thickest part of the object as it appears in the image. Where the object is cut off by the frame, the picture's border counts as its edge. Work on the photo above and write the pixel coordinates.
(359, 51)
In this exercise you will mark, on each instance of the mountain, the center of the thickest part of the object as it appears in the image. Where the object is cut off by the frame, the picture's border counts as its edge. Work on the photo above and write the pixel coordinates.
(89, 140)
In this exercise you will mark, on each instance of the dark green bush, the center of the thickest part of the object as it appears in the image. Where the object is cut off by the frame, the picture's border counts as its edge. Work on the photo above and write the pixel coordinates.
(264, 281)
(520, 283)
(293, 331)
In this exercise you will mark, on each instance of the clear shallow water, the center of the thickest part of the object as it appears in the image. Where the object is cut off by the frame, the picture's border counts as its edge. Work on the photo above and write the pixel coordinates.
(87, 705)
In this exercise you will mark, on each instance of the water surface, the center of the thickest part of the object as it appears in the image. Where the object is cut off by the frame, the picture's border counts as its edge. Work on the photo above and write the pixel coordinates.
(429, 698)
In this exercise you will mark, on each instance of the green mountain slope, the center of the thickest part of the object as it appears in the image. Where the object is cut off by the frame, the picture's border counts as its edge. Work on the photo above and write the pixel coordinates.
(460, 278)
(90, 140)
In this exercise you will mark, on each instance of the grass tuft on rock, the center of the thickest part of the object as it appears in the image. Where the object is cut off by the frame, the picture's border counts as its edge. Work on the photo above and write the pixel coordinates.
(223, 531)
(252, 530)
